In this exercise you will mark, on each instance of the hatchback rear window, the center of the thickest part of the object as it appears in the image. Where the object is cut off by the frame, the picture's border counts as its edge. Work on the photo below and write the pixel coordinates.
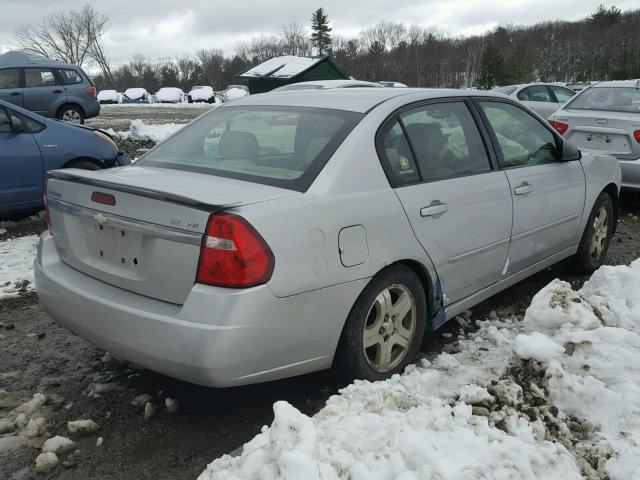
(280, 146)
(614, 99)
(69, 76)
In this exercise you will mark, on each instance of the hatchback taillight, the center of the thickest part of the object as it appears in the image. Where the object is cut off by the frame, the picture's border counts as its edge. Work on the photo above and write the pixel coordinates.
(559, 126)
(47, 216)
(233, 254)
(636, 134)
(92, 91)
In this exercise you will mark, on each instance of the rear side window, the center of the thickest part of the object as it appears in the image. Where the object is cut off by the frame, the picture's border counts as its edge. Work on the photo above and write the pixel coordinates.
(280, 146)
(614, 99)
(39, 77)
(523, 139)
(397, 156)
(10, 78)
(5, 123)
(69, 76)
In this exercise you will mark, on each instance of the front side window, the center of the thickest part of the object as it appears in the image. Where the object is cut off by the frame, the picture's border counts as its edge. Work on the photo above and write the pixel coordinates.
(613, 99)
(563, 95)
(445, 141)
(280, 146)
(69, 76)
(537, 93)
(10, 78)
(523, 139)
(39, 77)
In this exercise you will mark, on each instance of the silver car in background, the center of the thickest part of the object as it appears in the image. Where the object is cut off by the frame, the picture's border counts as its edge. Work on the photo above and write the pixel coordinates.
(605, 118)
(286, 233)
(542, 98)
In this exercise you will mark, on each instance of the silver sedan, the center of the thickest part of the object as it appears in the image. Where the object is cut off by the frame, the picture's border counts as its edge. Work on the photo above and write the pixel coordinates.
(542, 98)
(605, 118)
(287, 233)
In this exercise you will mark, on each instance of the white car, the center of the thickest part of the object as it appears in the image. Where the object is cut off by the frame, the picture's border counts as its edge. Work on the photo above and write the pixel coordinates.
(201, 93)
(233, 92)
(108, 97)
(136, 95)
(170, 95)
(542, 98)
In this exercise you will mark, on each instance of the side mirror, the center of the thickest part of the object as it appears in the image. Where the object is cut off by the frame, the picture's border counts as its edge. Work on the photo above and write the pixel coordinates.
(16, 124)
(569, 152)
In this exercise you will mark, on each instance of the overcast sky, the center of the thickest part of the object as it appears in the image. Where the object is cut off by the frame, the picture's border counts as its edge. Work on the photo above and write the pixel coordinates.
(157, 28)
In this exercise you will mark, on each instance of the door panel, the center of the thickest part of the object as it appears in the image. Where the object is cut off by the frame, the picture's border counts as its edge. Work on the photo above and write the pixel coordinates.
(459, 208)
(10, 87)
(42, 91)
(21, 170)
(548, 195)
(469, 239)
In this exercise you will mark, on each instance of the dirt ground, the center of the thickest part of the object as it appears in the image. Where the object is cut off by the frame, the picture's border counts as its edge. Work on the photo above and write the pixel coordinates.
(37, 356)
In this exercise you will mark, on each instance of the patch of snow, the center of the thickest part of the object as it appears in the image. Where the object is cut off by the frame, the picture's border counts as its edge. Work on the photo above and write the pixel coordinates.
(45, 462)
(572, 367)
(16, 265)
(267, 67)
(58, 444)
(141, 131)
(295, 66)
(156, 105)
(83, 427)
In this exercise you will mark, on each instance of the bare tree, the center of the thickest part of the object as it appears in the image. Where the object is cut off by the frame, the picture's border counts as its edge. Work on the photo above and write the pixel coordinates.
(295, 40)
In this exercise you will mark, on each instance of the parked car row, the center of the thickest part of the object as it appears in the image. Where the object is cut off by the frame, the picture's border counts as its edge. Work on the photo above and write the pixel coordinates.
(199, 93)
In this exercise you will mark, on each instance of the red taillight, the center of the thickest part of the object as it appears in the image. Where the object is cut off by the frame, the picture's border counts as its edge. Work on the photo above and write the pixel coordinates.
(103, 198)
(47, 217)
(636, 134)
(92, 91)
(233, 254)
(559, 126)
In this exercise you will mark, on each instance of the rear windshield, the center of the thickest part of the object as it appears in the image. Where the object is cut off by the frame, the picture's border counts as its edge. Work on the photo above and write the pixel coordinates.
(505, 90)
(614, 99)
(280, 146)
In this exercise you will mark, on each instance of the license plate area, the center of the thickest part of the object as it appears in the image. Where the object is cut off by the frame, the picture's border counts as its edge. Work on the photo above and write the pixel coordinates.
(118, 246)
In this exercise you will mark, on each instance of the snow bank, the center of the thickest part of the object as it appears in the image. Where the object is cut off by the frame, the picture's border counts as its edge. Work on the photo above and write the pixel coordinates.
(16, 265)
(556, 395)
(141, 131)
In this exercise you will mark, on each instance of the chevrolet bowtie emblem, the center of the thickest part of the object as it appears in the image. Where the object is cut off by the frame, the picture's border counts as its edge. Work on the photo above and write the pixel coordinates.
(100, 218)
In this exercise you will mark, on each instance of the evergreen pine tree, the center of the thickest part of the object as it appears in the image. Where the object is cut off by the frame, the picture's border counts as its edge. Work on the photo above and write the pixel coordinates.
(320, 38)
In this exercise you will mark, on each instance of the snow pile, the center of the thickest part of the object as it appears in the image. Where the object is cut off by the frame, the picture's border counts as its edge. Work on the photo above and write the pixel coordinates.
(16, 265)
(556, 395)
(143, 132)
(590, 346)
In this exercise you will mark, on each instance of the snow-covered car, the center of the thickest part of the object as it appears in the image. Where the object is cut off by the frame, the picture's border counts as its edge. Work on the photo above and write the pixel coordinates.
(108, 97)
(233, 92)
(290, 232)
(169, 95)
(392, 84)
(326, 84)
(201, 93)
(136, 95)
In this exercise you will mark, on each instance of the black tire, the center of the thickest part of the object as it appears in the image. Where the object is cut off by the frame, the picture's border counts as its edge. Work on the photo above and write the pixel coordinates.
(71, 113)
(596, 238)
(83, 164)
(352, 361)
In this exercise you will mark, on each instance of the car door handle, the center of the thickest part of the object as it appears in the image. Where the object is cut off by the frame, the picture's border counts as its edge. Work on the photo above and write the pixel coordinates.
(58, 91)
(436, 209)
(15, 94)
(523, 189)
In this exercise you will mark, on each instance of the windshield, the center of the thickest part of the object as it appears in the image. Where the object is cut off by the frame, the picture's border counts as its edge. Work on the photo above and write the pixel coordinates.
(615, 99)
(281, 146)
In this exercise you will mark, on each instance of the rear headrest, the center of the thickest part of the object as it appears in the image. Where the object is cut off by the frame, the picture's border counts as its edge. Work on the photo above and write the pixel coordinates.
(238, 145)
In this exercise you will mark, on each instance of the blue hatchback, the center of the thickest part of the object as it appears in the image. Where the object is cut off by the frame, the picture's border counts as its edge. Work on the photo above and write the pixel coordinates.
(31, 145)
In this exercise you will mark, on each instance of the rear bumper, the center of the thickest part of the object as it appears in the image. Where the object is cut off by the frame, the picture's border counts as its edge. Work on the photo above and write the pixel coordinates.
(219, 337)
(630, 173)
(91, 108)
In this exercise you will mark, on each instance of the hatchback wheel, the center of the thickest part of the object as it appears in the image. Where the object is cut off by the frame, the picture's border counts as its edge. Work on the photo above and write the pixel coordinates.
(597, 236)
(71, 114)
(385, 327)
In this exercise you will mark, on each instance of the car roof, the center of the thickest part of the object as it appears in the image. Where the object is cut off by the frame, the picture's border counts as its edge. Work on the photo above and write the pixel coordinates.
(352, 99)
(17, 58)
(618, 83)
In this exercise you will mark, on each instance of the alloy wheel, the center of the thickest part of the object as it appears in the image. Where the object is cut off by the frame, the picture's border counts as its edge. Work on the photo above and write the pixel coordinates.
(390, 328)
(600, 233)
(71, 116)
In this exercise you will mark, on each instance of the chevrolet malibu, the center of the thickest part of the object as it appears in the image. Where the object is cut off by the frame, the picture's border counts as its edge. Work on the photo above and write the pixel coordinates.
(291, 232)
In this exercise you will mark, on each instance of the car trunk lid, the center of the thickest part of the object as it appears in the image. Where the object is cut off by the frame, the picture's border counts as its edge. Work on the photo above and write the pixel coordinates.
(141, 228)
(602, 131)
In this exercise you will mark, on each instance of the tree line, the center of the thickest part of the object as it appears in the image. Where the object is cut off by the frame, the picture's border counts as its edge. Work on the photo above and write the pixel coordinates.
(604, 45)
